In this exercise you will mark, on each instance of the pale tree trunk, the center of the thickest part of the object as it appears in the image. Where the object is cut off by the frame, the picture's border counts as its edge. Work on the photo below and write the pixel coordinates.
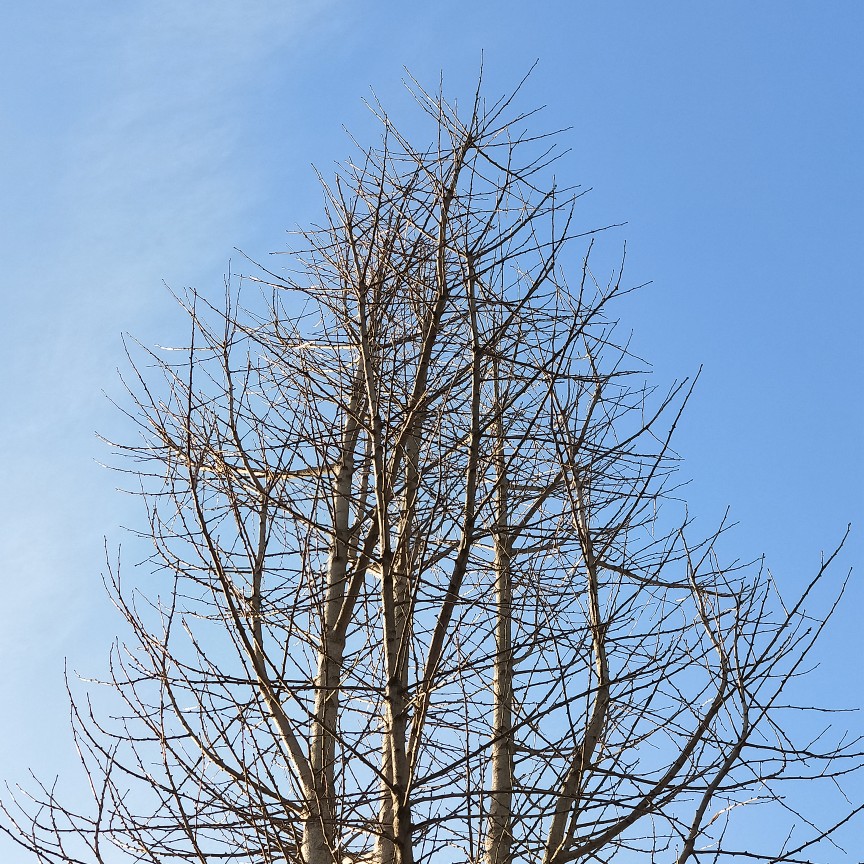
(396, 822)
(499, 836)
(395, 845)
(393, 762)
(319, 832)
(560, 836)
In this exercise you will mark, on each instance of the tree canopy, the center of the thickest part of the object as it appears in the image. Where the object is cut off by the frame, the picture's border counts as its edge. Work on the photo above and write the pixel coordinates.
(424, 588)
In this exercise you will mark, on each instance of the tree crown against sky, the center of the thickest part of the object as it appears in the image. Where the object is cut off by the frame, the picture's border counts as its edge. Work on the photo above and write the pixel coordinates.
(425, 592)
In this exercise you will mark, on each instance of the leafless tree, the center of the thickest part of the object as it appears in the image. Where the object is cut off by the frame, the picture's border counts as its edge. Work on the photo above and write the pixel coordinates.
(421, 590)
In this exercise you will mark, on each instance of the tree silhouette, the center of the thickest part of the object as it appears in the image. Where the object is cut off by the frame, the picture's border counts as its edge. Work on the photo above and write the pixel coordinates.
(424, 590)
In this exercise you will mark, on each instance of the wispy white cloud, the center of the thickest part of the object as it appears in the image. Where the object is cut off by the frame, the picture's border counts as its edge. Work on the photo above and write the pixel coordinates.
(122, 170)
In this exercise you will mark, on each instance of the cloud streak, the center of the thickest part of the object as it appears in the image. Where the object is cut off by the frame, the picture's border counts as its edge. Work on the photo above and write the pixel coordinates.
(122, 169)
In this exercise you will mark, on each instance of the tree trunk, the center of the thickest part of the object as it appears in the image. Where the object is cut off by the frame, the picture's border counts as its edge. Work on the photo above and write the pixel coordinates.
(499, 835)
(319, 831)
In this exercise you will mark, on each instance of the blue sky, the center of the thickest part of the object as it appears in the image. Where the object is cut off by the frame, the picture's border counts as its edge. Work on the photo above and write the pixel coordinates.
(143, 142)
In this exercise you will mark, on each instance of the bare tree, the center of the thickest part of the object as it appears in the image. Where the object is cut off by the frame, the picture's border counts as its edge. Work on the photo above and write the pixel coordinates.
(422, 594)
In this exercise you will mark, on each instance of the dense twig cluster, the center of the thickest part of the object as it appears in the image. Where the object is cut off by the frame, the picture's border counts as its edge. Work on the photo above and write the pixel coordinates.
(418, 600)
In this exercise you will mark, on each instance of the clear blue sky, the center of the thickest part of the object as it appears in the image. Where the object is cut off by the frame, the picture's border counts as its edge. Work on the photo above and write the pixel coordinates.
(142, 142)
